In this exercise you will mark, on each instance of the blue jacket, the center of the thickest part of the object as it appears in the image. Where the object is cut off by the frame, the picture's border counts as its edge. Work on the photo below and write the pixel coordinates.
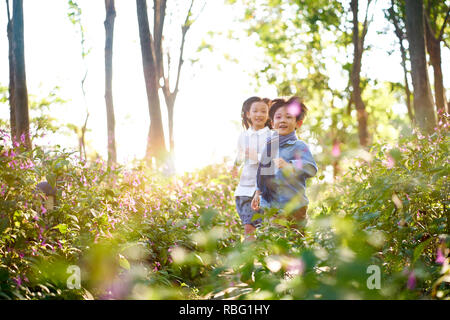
(289, 184)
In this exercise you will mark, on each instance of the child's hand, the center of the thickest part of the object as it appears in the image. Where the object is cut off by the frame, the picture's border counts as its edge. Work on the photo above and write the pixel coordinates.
(255, 202)
(280, 163)
(234, 172)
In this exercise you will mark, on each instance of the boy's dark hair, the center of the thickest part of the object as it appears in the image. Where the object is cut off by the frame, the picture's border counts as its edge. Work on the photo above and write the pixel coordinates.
(279, 103)
(246, 108)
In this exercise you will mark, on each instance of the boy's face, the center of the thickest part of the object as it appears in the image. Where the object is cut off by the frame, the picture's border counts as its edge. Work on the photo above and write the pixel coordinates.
(284, 121)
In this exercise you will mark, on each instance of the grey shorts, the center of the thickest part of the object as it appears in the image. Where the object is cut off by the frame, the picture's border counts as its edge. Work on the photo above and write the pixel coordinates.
(245, 211)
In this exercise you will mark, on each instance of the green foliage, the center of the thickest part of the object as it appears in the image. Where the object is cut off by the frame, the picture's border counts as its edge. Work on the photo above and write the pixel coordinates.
(74, 15)
(436, 12)
(116, 225)
(42, 122)
(307, 46)
(135, 234)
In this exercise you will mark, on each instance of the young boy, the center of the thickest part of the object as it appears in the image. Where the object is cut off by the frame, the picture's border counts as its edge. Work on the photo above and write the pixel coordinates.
(286, 162)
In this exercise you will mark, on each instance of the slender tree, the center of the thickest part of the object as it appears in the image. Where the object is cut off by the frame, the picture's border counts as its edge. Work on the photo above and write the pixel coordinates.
(423, 101)
(170, 96)
(12, 109)
(20, 96)
(159, 15)
(163, 58)
(109, 30)
(358, 49)
(397, 17)
(434, 35)
(156, 146)
(75, 18)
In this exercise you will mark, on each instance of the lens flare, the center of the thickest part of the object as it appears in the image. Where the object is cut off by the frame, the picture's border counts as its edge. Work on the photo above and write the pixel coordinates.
(294, 108)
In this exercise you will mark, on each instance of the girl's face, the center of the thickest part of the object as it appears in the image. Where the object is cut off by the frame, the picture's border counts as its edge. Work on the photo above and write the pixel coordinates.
(285, 122)
(258, 115)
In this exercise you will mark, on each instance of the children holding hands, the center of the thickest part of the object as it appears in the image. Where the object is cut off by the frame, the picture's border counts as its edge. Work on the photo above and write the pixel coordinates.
(277, 165)
(286, 162)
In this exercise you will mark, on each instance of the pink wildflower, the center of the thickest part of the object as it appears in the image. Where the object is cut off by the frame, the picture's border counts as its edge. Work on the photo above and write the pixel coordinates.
(390, 162)
(439, 256)
(411, 283)
(18, 281)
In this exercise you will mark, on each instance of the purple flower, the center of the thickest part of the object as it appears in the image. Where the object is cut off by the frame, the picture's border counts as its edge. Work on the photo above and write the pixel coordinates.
(411, 283)
(439, 256)
(390, 162)
(18, 281)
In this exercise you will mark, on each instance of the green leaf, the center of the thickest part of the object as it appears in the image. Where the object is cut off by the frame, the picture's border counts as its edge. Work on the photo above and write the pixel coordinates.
(282, 222)
(419, 249)
(4, 223)
(4, 274)
(61, 227)
(123, 262)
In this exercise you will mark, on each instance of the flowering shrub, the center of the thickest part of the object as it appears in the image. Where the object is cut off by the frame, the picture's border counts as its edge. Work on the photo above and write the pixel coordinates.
(116, 216)
(389, 213)
(137, 234)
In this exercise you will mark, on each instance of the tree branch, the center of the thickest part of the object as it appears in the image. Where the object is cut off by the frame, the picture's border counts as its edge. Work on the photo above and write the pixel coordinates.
(184, 30)
(200, 11)
(366, 23)
(446, 43)
(441, 33)
(7, 9)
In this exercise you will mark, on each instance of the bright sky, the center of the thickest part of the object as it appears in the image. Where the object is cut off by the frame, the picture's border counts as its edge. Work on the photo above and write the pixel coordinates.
(207, 111)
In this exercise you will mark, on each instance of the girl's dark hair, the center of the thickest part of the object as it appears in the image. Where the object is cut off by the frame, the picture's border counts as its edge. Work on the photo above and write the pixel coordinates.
(246, 122)
(279, 103)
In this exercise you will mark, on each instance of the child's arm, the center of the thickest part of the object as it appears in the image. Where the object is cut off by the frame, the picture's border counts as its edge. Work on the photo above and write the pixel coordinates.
(239, 158)
(304, 164)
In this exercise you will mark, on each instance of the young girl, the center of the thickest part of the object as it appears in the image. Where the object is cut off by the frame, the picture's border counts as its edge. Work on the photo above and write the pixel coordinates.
(255, 118)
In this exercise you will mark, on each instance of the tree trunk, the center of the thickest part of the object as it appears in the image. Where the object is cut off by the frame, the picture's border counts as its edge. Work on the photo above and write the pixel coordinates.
(156, 146)
(358, 45)
(400, 35)
(170, 97)
(20, 84)
(109, 30)
(405, 79)
(434, 50)
(159, 13)
(170, 107)
(12, 109)
(423, 102)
